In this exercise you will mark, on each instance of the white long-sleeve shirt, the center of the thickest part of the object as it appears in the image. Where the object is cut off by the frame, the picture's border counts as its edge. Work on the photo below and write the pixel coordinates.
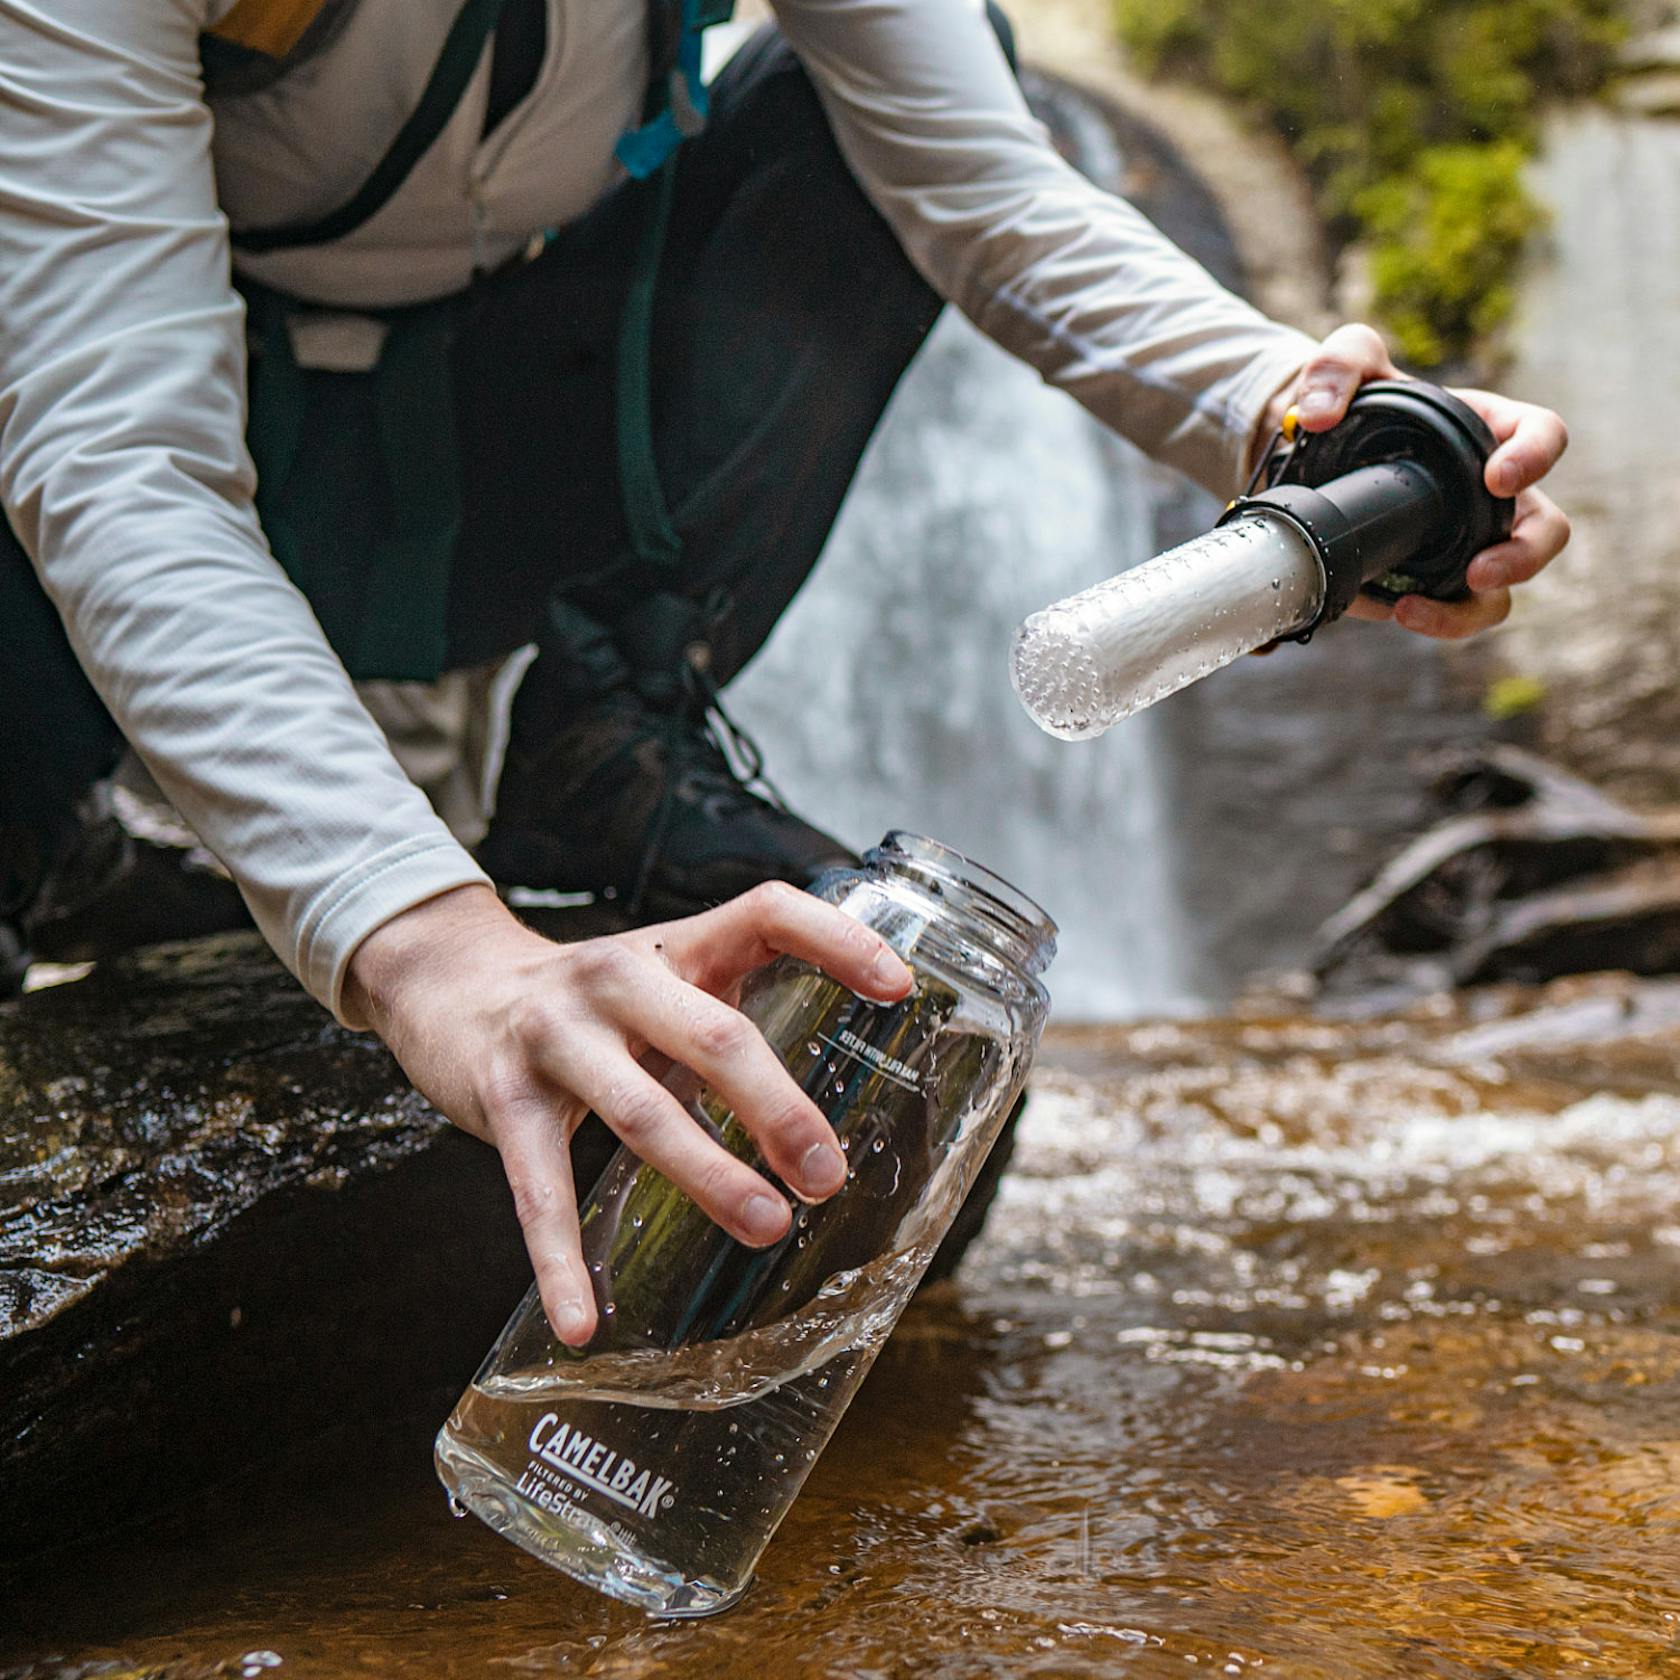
(123, 468)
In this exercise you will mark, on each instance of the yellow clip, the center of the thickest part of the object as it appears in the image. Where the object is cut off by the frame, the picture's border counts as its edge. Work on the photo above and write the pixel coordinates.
(270, 27)
(1291, 423)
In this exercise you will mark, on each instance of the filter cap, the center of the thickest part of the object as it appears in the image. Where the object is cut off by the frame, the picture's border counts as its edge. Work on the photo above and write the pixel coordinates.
(1403, 420)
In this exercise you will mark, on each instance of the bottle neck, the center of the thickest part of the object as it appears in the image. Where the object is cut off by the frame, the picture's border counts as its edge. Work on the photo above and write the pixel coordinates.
(973, 907)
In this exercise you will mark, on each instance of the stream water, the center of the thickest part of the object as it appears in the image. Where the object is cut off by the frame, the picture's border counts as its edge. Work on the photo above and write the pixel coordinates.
(1293, 1349)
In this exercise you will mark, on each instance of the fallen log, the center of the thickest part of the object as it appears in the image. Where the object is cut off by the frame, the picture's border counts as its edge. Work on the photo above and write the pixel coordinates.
(1533, 874)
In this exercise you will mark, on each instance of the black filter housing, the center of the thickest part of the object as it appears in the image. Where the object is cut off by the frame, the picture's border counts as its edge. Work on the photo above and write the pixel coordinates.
(1394, 497)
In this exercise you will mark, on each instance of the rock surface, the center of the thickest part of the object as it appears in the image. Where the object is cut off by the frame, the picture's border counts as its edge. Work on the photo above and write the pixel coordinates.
(223, 1221)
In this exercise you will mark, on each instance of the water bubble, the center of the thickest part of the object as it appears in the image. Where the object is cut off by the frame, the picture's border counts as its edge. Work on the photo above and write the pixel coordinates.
(812, 1047)
(456, 1508)
(877, 1146)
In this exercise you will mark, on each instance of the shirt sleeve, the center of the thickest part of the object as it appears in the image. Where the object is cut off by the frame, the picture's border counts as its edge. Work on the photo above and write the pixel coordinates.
(124, 473)
(1072, 280)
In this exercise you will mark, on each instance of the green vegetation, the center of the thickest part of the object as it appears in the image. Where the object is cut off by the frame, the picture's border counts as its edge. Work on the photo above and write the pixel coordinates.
(1414, 119)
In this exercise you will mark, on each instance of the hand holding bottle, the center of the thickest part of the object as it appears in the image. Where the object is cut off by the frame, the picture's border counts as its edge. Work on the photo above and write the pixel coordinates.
(516, 1038)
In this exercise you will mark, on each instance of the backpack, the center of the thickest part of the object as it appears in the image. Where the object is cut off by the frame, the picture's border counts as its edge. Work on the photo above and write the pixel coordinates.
(255, 46)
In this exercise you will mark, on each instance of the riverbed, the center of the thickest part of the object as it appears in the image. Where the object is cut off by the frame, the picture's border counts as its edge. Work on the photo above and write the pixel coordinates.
(1293, 1348)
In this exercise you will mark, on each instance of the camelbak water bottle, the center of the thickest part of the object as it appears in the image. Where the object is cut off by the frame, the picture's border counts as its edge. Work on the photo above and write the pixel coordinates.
(1392, 501)
(656, 1463)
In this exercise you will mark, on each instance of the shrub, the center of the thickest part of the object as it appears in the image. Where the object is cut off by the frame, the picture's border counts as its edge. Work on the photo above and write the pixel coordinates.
(1413, 118)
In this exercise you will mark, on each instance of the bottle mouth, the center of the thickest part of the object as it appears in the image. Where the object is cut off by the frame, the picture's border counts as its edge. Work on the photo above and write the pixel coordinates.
(1015, 922)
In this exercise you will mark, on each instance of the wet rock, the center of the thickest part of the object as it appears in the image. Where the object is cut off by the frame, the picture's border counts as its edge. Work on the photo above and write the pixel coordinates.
(224, 1223)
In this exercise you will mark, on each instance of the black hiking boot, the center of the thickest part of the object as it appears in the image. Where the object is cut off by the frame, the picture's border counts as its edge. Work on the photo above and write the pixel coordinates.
(625, 778)
(103, 888)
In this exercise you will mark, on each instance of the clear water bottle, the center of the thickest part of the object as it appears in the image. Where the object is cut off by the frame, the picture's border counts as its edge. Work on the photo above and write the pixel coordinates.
(655, 1463)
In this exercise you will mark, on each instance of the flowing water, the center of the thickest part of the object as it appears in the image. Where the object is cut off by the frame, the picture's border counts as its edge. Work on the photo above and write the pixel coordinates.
(1294, 1349)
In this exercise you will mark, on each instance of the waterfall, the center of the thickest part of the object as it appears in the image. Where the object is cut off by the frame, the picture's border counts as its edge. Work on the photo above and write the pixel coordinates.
(883, 699)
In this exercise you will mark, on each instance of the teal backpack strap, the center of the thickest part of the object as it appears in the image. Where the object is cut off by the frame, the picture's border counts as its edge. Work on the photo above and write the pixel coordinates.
(462, 49)
(653, 538)
(677, 107)
(677, 102)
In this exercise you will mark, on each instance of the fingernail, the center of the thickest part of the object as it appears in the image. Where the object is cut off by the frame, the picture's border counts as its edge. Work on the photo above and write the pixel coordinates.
(823, 1169)
(890, 973)
(569, 1320)
(1416, 615)
(764, 1218)
(1505, 477)
(1317, 404)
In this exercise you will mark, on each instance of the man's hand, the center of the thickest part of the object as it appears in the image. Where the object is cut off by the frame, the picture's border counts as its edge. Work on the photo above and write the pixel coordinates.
(516, 1038)
(1531, 440)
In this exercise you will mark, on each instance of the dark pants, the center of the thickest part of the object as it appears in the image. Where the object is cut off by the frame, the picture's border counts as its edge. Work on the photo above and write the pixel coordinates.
(785, 315)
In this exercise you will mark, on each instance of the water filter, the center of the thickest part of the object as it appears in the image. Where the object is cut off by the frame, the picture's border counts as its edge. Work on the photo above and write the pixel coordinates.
(1390, 502)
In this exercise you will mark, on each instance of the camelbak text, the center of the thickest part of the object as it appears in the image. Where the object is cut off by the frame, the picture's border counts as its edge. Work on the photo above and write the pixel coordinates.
(597, 1466)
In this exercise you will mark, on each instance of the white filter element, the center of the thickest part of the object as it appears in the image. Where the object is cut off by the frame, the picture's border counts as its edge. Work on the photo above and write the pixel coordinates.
(1085, 663)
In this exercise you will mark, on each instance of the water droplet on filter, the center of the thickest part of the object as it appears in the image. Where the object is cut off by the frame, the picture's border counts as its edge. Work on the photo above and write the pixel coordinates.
(636, 1220)
(812, 1047)
(456, 1508)
(877, 1146)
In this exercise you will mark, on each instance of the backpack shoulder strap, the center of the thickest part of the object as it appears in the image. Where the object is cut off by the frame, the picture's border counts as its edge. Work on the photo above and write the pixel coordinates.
(462, 49)
(677, 102)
